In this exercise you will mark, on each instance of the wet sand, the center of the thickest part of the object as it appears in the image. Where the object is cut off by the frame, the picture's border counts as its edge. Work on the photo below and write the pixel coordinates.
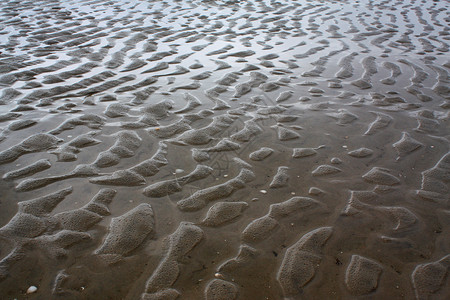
(224, 149)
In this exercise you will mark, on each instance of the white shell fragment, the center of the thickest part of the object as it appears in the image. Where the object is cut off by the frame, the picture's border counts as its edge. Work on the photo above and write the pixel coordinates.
(32, 289)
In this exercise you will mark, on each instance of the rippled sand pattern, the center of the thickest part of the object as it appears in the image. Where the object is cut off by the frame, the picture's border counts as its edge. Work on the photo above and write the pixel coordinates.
(224, 149)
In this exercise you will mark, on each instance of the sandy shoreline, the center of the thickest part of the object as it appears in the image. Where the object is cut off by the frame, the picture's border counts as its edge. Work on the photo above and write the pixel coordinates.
(224, 149)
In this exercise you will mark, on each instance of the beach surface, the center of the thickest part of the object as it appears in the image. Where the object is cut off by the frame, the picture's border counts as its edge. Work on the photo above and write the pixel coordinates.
(193, 149)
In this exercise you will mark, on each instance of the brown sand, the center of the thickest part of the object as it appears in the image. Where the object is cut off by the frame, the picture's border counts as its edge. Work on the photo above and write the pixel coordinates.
(224, 149)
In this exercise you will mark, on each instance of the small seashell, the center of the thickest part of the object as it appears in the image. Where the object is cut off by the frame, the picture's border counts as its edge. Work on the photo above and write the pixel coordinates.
(263, 191)
(31, 289)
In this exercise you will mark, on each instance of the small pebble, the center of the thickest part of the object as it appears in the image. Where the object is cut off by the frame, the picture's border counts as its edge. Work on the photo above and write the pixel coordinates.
(263, 191)
(31, 289)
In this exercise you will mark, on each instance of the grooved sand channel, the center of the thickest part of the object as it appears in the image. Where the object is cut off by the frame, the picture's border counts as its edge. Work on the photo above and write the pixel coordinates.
(224, 149)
